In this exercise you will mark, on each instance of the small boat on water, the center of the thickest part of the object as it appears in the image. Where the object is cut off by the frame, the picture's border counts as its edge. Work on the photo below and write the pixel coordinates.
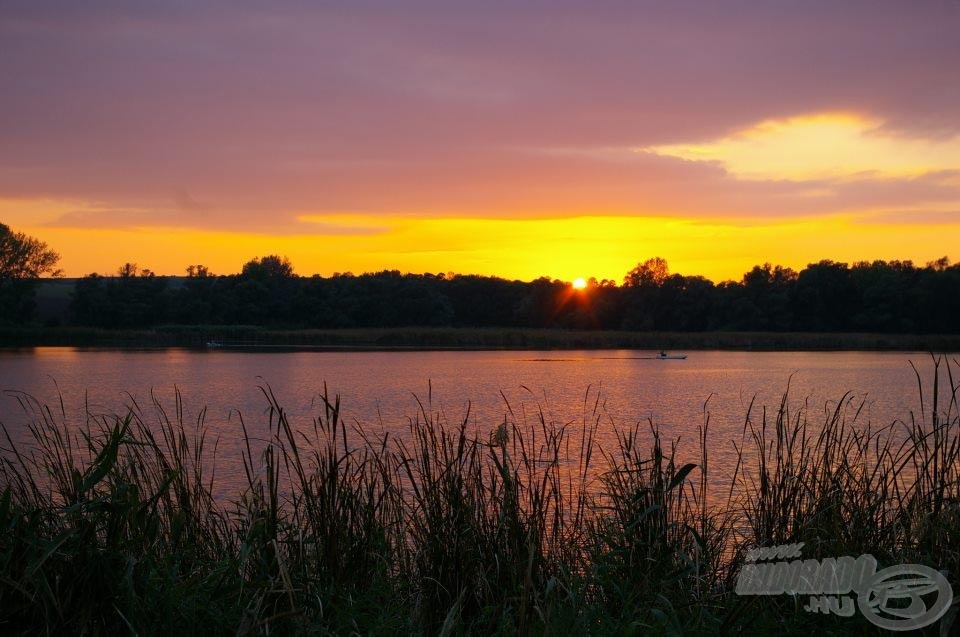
(663, 356)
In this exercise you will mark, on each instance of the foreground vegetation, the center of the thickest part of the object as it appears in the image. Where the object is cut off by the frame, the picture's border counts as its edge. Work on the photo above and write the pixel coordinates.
(529, 528)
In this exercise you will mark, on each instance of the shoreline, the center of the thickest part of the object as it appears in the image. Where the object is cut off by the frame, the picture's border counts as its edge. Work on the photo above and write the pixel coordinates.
(248, 338)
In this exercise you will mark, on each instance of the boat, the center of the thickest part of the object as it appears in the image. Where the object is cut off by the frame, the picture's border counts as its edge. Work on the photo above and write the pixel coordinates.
(663, 356)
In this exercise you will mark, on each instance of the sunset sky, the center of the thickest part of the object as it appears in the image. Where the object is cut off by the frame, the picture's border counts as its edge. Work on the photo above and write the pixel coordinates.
(516, 139)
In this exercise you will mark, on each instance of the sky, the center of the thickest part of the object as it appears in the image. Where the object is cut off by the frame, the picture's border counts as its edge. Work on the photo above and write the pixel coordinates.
(519, 139)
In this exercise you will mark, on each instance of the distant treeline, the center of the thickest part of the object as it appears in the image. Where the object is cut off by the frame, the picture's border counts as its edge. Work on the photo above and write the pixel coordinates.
(884, 297)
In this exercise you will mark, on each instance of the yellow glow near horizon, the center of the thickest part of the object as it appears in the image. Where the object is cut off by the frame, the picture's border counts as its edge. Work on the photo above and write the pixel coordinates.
(825, 145)
(579, 283)
(567, 248)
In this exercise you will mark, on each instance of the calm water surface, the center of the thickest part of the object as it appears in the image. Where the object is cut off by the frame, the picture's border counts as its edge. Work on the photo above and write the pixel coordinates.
(378, 389)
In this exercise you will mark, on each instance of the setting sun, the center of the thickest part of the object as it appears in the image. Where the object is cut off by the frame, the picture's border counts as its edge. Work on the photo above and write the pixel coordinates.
(579, 283)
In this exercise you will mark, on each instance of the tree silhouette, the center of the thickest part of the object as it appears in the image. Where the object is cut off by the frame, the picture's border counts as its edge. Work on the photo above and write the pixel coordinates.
(651, 272)
(893, 297)
(127, 270)
(267, 267)
(24, 257)
(23, 260)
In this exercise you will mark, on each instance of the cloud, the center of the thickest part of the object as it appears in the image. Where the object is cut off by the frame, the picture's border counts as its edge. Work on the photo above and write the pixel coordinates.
(177, 217)
(916, 217)
(821, 145)
(243, 117)
(103, 219)
(345, 225)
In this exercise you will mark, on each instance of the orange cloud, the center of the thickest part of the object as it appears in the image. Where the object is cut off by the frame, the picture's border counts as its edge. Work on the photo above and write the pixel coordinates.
(821, 146)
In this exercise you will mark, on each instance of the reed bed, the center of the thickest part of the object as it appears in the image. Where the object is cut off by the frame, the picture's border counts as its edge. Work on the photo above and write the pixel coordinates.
(530, 527)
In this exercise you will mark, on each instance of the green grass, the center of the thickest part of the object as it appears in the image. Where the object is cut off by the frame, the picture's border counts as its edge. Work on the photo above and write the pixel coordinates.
(531, 527)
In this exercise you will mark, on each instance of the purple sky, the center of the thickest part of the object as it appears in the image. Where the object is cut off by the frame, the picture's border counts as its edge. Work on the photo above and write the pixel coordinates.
(244, 116)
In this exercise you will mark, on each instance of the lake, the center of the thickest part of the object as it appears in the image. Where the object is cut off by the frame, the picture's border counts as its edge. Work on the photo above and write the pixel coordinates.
(378, 389)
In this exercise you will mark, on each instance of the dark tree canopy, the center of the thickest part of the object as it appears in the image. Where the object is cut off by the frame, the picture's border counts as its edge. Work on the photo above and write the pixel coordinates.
(651, 272)
(878, 296)
(127, 270)
(23, 260)
(888, 297)
(24, 257)
(198, 271)
(268, 267)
